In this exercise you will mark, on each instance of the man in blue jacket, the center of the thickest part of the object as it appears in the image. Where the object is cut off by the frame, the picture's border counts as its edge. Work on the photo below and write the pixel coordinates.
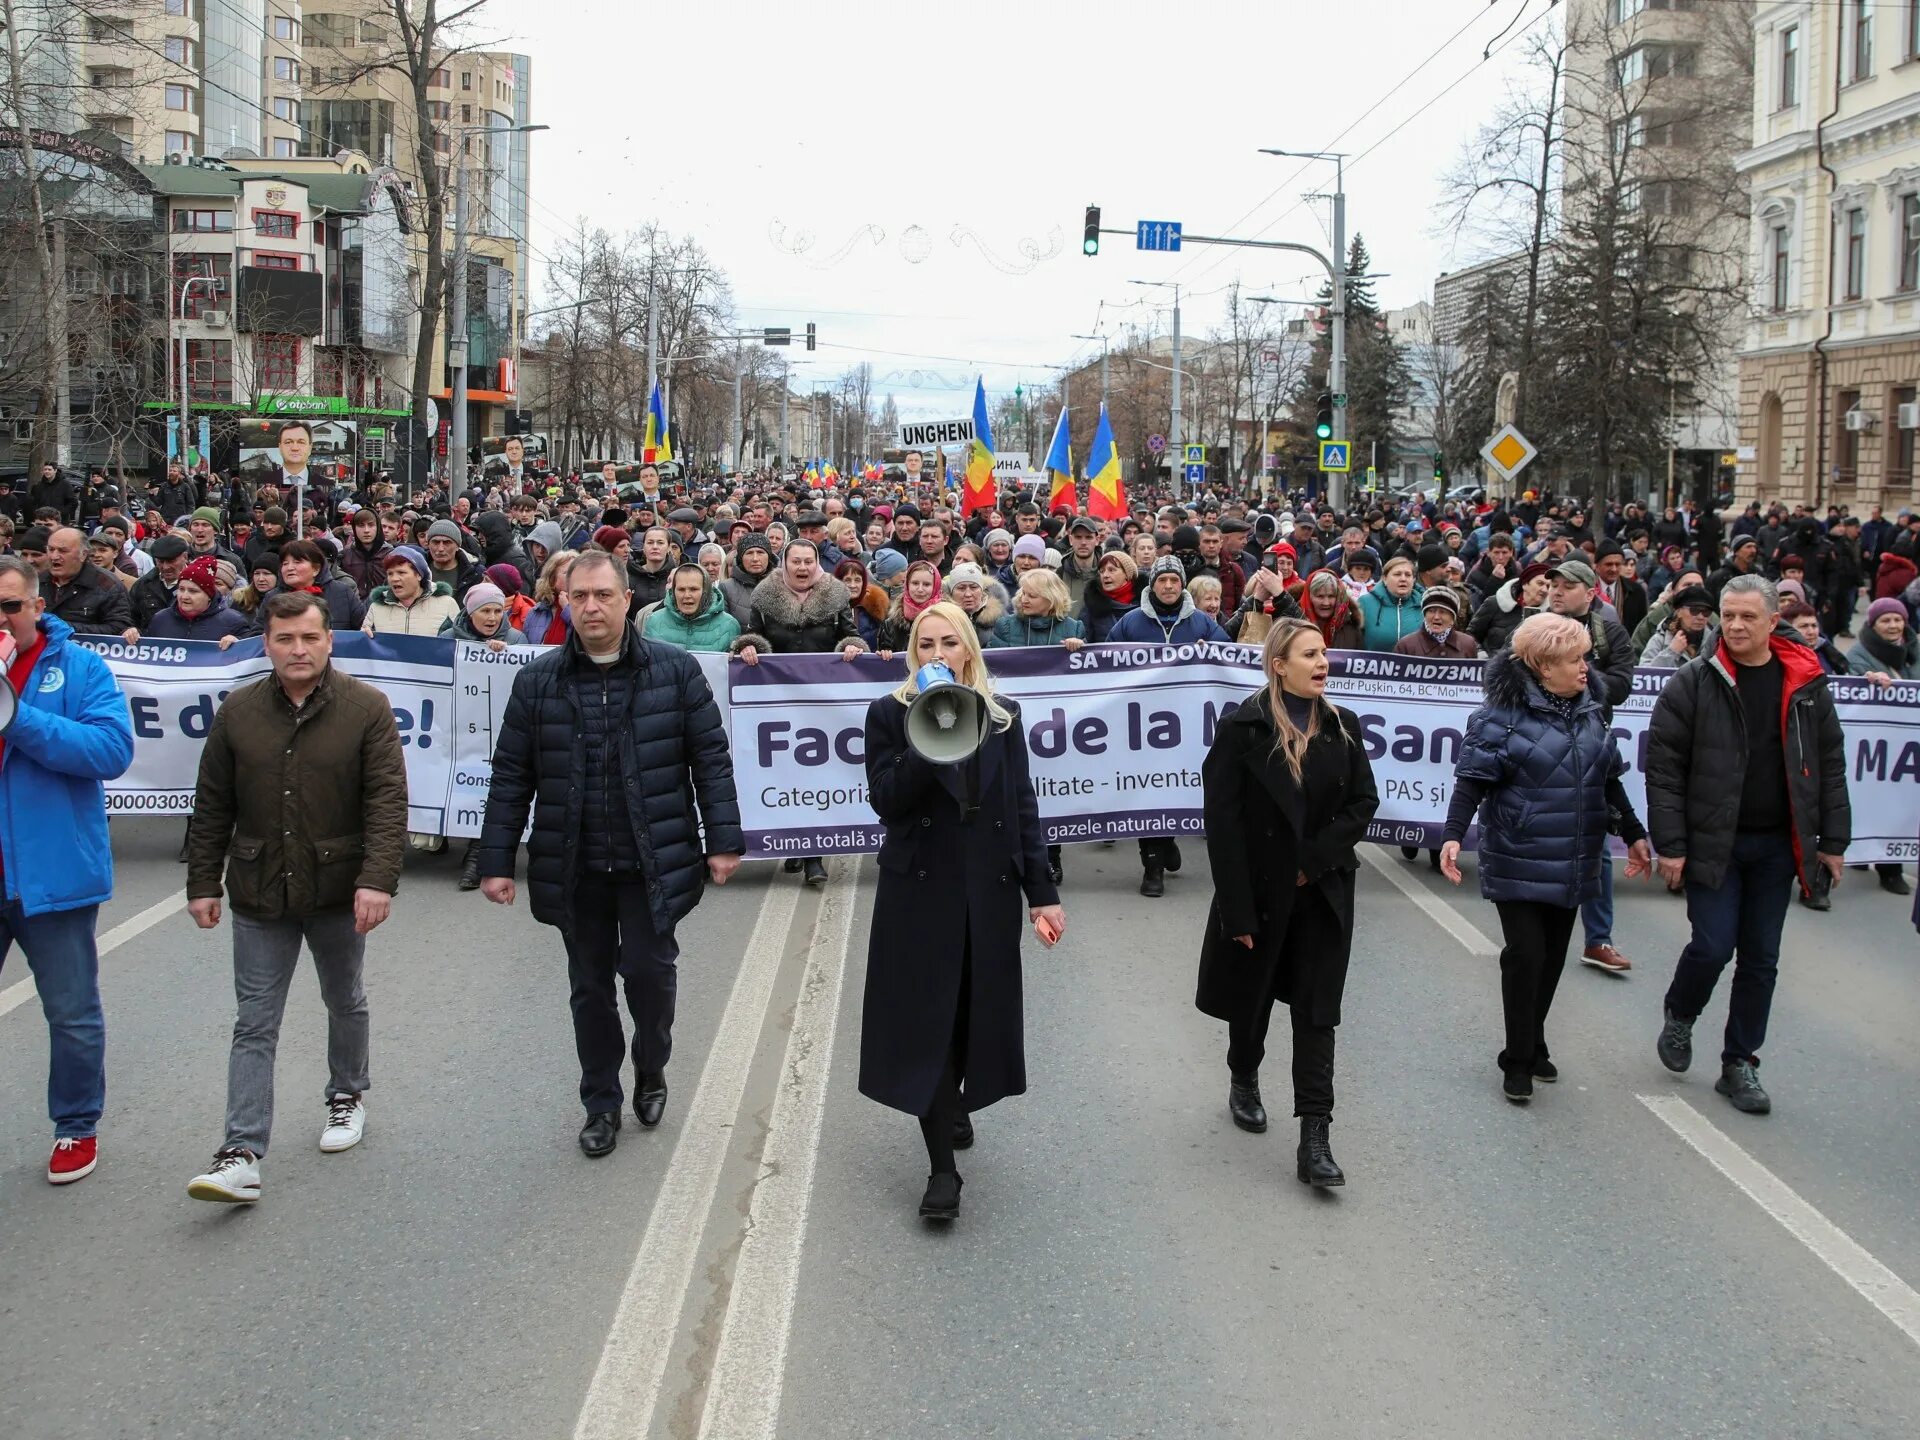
(69, 734)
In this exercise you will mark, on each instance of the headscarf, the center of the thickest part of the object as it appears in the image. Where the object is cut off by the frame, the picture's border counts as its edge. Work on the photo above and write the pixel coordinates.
(908, 607)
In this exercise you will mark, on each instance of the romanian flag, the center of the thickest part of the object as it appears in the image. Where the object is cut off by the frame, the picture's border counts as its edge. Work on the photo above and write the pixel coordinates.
(657, 446)
(981, 492)
(1106, 495)
(1062, 495)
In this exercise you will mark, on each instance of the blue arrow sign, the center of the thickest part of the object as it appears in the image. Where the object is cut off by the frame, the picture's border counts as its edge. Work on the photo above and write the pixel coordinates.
(1156, 235)
(1196, 474)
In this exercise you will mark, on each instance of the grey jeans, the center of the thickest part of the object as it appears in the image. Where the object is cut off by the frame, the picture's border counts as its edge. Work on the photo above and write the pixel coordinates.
(265, 953)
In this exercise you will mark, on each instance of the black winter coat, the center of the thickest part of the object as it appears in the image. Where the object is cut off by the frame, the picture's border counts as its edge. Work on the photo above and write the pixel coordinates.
(951, 892)
(148, 596)
(1264, 830)
(94, 603)
(673, 754)
(1544, 819)
(786, 624)
(1497, 617)
(1697, 763)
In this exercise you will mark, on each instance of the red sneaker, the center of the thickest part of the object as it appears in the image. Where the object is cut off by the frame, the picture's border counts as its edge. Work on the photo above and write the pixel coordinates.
(72, 1160)
(1605, 957)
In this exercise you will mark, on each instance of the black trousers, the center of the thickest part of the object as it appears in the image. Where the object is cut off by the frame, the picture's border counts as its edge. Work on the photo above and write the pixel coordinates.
(1312, 1044)
(1530, 966)
(1158, 850)
(612, 935)
(936, 1126)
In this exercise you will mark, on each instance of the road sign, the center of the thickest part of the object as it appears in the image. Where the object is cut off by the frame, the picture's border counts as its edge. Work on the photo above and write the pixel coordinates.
(1156, 443)
(1195, 474)
(1340, 400)
(1336, 455)
(1156, 235)
(777, 335)
(1196, 454)
(925, 435)
(1508, 451)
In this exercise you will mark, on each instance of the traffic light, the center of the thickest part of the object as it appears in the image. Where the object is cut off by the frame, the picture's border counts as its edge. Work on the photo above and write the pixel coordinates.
(1323, 425)
(1439, 468)
(1090, 245)
(810, 335)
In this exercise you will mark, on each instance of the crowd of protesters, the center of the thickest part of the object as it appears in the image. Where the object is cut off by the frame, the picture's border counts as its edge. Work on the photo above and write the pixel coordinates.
(1563, 600)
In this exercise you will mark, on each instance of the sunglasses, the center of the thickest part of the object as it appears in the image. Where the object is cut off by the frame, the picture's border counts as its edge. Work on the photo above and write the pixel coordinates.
(13, 607)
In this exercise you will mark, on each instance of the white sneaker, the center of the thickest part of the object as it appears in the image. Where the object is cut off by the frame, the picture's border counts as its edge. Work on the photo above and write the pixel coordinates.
(346, 1123)
(233, 1178)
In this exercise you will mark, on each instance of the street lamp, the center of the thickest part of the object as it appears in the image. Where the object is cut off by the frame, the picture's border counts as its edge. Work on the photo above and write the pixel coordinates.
(457, 323)
(186, 287)
(1337, 359)
(1173, 427)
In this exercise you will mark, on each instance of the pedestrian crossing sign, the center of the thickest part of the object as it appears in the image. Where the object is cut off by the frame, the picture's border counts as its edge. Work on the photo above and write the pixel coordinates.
(1336, 455)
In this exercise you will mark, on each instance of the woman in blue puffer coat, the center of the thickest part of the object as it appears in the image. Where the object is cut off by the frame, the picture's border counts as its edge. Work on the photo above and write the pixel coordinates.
(1540, 767)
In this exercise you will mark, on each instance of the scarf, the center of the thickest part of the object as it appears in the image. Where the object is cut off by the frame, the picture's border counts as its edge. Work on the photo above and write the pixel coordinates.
(911, 608)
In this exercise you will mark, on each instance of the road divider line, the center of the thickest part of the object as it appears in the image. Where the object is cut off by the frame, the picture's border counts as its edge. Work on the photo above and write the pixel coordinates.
(749, 1367)
(625, 1391)
(1443, 914)
(1878, 1285)
(14, 996)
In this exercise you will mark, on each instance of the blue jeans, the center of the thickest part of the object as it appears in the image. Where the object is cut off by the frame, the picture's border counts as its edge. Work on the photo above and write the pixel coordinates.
(1742, 915)
(60, 952)
(1596, 916)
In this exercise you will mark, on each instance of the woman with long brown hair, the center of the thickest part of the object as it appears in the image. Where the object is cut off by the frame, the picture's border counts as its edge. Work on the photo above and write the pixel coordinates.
(1288, 791)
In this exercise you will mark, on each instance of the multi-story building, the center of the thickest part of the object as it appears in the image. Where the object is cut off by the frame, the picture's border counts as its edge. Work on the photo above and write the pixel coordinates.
(1830, 372)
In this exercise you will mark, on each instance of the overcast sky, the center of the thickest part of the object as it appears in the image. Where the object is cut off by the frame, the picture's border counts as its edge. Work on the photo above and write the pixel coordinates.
(827, 155)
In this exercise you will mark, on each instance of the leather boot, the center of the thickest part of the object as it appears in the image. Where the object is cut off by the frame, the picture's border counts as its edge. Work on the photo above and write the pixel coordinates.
(942, 1200)
(1153, 881)
(1243, 1103)
(813, 872)
(1170, 853)
(1316, 1165)
(470, 867)
(650, 1097)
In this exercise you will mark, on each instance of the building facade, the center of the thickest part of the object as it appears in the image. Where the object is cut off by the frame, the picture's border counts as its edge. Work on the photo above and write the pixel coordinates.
(1830, 372)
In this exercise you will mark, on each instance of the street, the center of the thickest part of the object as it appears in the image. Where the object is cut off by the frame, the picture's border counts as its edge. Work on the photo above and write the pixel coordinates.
(1127, 1263)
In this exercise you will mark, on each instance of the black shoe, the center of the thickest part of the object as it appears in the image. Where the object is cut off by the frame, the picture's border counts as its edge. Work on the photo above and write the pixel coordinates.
(1740, 1083)
(470, 867)
(1170, 857)
(1892, 880)
(790, 867)
(942, 1200)
(650, 1097)
(1315, 1159)
(1409, 852)
(814, 872)
(1243, 1103)
(963, 1133)
(1545, 1071)
(1518, 1085)
(1675, 1043)
(1153, 882)
(601, 1133)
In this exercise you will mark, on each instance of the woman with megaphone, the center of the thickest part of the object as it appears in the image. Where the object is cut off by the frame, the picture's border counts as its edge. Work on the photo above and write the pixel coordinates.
(947, 767)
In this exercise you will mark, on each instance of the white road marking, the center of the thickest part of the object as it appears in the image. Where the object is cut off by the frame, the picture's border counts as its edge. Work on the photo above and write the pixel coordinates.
(626, 1384)
(1441, 913)
(1878, 1285)
(14, 996)
(749, 1367)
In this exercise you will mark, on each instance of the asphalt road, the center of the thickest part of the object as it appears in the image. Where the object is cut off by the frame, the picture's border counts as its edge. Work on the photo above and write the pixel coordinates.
(1127, 1262)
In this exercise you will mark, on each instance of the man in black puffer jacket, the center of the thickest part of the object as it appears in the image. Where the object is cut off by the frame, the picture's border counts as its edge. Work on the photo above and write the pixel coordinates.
(611, 740)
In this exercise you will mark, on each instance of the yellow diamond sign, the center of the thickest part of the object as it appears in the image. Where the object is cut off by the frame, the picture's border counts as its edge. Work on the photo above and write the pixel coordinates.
(1509, 452)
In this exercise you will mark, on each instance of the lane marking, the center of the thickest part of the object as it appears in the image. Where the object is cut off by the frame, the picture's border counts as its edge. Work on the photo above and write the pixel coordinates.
(1437, 910)
(626, 1383)
(14, 996)
(749, 1367)
(1878, 1285)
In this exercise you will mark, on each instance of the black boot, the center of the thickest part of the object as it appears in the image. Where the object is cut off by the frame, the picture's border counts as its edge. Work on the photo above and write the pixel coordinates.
(1316, 1165)
(650, 1097)
(1153, 882)
(470, 867)
(790, 867)
(1170, 854)
(1243, 1103)
(600, 1134)
(942, 1200)
(813, 872)
(963, 1132)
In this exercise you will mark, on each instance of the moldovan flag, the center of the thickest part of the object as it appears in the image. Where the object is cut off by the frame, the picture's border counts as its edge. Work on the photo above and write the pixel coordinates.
(657, 446)
(980, 491)
(1106, 496)
(1061, 495)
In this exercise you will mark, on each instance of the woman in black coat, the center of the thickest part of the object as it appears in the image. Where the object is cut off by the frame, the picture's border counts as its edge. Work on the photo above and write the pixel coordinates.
(1288, 791)
(963, 844)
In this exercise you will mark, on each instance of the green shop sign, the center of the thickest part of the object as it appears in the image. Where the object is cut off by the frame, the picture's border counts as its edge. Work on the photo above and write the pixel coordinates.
(302, 405)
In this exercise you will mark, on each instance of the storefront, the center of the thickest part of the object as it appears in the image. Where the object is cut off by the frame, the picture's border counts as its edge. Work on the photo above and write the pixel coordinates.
(348, 439)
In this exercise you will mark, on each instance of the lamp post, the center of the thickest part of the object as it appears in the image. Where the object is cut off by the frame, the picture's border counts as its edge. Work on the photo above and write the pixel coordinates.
(186, 287)
(1173, 427)
(1337, 359)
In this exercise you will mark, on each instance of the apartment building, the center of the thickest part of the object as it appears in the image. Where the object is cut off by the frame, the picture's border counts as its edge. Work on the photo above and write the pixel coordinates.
(1830, 369)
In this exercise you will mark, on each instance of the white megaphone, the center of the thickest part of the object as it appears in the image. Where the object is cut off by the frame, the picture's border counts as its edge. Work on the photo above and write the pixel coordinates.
(947, 721)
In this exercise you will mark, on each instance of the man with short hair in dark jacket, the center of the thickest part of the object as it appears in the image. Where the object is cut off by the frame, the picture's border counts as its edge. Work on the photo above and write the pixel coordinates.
(80, 592)
(1746, 793)
(612, 740)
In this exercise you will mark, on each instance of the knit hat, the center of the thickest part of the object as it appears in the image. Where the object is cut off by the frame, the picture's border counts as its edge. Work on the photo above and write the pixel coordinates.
(1030, 545)
(965, 574)
(408, 555)
(1440, 597)
(1366, 555)
(1167, 565)
(483, 594)
(34, 537)
(1793, 589)
(442, 530)
(995, 537)
(1888, 606)
(272, 515)
(1739, 543)
(1284, 547)
(224, 572)
(888, 564)
(608, 536)
(204, 573)
(1792, 562)
(508, 578)
(211, 515)
(1430, 557)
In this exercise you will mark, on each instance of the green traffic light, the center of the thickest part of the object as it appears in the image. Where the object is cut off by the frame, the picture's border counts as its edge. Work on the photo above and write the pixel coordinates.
(1323, 430)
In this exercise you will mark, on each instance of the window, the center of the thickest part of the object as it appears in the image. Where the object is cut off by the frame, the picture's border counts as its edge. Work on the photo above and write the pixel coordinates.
(439, 78)
(1900, 475)
(205, 296)
(181, 142)
(1780, 268)
(439, 110)
(276, 362)
(263, 261)
(1846, 443)
(372, 33)
(276, 225)
(1860, 39)
(1910, 242)
(320, 232)
(210, 369)
(443, 144)
(177, 7)
(1854, 225)
(1653, 62)
(202, 222)
(466, 114)
(180, 97)
(285, 149)
(287, 70)
(180, 51)
(1789, 67)
(466, 80)
(285, 28)
(286, 108)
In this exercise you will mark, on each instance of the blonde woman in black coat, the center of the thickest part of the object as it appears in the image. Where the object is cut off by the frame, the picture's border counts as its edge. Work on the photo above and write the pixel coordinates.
(1288, 792)
(963, 844)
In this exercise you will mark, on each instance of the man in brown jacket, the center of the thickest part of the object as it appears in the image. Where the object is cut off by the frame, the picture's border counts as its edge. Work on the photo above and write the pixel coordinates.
(303, 795)
(1439, 636)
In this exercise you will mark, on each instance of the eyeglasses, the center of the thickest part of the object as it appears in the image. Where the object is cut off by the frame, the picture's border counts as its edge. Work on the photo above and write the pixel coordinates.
(12, 607)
